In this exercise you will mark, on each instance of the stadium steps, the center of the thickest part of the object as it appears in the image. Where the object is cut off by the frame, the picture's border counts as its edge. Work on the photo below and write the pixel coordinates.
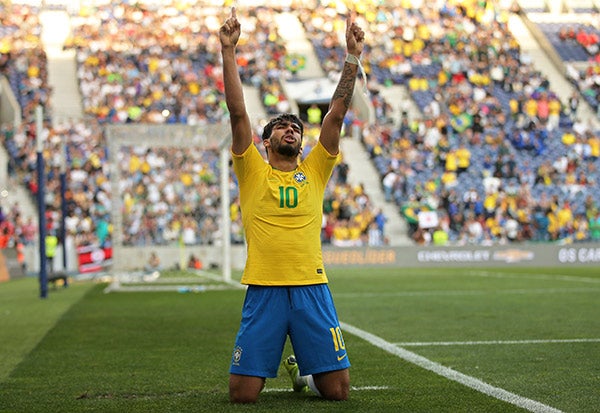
(292, 32)
(256, 109)
(363, 171)
(62, 67)
(533, 5)
(62, 77)
(400, 100)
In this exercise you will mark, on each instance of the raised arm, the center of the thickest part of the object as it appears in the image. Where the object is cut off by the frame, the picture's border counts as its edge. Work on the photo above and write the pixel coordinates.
(342, 97)
(241, 130)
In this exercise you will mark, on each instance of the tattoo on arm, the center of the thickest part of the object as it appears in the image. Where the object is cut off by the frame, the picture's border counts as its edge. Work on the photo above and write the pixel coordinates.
(345, 87)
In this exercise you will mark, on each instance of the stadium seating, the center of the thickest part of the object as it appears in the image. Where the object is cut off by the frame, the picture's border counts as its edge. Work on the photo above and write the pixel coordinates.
(423, 95)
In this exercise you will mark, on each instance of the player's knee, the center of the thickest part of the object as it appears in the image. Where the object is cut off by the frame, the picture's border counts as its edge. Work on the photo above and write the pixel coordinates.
(335, 388)
(244, 389)
(337, 392)
(239, 396)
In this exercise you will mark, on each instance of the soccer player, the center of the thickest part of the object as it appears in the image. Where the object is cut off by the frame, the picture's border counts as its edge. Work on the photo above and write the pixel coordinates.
(281, 203)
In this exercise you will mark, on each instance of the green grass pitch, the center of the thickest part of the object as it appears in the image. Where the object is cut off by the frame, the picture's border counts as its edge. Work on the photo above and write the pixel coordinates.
(420, 340)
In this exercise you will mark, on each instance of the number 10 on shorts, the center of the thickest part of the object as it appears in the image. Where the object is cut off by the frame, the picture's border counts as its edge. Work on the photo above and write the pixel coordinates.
(338, 340)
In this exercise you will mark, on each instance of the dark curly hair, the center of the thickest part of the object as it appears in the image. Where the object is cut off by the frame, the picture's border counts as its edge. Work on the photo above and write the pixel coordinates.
(285, 117)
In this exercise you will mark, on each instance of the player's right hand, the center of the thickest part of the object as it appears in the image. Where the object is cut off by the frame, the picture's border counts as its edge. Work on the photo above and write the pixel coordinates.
(229, 33)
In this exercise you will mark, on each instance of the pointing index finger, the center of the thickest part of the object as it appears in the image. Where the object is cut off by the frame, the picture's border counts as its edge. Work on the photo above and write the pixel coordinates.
(349, 20)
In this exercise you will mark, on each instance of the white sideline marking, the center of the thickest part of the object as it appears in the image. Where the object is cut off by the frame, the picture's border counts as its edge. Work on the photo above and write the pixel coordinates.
(142, 282)
(472, 382)
(555, 277)
(477, 343)
(468, 292)
(206, 274)
(167, 288)
(353, 388)
(215, 277)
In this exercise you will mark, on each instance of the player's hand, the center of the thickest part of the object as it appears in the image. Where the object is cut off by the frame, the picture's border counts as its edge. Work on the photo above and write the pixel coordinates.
(355, 37)
(229, 33)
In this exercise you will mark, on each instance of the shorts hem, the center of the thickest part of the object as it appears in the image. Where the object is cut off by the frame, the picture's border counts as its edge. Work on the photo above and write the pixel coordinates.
(253, 373)
(326, 369)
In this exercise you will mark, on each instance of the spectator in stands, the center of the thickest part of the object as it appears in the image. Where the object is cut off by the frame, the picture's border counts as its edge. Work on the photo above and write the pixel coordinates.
(5, 237)
(28, 232)
(341, 236)
(540, 224)
(20, 249)
(314, 114)
(581, 232)
(421, 236)
(554, 112)
(381, 219)
(564, 216)
(511, 228)
(390, 184)
(566, 33)
(594, 143)
(473, 230)
(51, 247)
(440, 236)
(573, 105)
(153, 263)
(594, 226)
(375, 238)
(463, 158)
(194, 262)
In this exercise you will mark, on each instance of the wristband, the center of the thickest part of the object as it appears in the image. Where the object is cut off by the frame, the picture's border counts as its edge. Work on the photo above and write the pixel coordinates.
(350, 58)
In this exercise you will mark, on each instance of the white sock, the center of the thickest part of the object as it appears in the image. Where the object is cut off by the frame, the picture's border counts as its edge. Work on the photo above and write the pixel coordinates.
(311, 384)
(301, 380)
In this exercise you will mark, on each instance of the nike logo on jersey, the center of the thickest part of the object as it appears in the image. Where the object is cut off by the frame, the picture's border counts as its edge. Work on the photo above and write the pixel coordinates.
(342, 357)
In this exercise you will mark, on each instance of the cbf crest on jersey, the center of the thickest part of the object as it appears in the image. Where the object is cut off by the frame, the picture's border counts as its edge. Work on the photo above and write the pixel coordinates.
(300, 178)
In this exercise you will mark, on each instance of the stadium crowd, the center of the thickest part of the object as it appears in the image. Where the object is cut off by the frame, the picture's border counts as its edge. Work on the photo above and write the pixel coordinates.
(496, 155)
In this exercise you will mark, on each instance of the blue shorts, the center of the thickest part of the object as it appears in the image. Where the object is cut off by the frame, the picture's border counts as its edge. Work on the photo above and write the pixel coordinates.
(306, 314)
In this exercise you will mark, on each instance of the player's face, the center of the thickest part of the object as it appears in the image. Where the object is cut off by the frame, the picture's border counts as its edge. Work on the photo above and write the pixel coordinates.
(286, 139)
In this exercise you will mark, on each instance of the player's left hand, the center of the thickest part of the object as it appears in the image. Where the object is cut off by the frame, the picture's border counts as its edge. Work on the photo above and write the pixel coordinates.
(355, 37)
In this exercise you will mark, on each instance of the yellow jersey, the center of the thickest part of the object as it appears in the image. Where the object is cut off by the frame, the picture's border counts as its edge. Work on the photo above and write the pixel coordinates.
(282, 215)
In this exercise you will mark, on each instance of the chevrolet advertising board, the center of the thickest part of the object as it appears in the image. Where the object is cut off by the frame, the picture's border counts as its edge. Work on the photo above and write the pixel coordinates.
(539, 255)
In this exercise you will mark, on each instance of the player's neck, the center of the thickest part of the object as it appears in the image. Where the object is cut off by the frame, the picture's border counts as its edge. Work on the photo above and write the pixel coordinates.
(283, 163)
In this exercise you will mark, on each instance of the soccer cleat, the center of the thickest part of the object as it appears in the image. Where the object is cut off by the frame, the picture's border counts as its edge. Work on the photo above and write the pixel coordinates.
(293, 370)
